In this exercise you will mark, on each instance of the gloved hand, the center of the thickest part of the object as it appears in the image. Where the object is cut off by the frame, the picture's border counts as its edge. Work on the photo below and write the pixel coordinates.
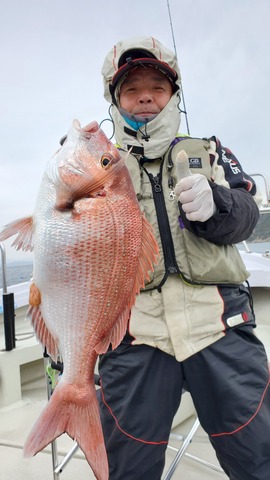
(195, 195)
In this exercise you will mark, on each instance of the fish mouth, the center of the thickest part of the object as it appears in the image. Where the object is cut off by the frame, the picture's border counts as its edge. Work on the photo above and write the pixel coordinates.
(91, 127)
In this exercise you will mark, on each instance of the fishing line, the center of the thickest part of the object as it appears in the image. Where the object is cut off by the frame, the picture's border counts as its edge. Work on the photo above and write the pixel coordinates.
(109, 120)
(174, 46)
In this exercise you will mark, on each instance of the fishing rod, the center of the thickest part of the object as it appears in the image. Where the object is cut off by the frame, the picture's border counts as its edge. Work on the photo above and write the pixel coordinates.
(175, 51)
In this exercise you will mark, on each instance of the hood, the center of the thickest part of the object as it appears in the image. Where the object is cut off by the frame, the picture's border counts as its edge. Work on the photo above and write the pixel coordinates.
(154, 138)
(125, 54)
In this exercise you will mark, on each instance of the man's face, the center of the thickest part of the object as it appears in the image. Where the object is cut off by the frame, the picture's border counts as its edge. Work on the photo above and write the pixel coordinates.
(145, 92)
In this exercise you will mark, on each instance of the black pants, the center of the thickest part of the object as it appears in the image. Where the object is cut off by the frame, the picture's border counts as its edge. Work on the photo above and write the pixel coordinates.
(228, 382)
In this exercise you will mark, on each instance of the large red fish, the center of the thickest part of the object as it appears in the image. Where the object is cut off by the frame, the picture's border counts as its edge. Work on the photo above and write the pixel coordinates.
(93, 249)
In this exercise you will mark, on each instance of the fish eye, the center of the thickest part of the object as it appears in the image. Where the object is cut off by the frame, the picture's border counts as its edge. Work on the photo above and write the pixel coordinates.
(106, 160)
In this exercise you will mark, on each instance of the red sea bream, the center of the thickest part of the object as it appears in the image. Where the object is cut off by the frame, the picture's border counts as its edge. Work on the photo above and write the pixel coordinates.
(93, 249)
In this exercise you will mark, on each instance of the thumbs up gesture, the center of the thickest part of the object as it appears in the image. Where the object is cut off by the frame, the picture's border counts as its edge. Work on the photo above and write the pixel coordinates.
(193, 192)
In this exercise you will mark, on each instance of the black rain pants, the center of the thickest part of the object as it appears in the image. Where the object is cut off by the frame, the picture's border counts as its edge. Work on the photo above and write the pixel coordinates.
(229, 384)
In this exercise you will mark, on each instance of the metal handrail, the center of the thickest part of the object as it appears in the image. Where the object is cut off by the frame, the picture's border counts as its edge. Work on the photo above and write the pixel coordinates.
(8, 306)
(266, 186)
(4, 267)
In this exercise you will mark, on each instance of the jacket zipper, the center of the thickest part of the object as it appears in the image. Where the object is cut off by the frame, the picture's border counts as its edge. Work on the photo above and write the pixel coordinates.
(164, 226)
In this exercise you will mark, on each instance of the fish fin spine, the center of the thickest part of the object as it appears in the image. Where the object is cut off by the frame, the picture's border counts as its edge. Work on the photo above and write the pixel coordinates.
(148, 257)
(117, 333)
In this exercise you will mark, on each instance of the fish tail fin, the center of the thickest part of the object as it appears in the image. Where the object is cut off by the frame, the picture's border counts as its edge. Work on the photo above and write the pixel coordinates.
(75, 412)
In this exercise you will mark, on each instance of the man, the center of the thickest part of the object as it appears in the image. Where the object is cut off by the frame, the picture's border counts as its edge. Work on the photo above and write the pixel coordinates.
(192, 327)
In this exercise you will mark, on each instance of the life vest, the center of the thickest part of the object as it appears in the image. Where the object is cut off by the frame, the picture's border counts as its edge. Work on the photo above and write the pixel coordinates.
(196, 260)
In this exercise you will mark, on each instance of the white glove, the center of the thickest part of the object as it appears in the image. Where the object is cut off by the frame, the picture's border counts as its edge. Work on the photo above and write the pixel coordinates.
(196, 197)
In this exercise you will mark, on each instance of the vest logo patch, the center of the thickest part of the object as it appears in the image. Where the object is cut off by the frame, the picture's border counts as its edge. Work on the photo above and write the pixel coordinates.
(195, 162)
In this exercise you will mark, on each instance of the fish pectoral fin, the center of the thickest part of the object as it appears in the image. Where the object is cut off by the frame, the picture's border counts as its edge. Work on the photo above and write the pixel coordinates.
(42, 332)
(116, 335)
(24, 230)
(34, 295)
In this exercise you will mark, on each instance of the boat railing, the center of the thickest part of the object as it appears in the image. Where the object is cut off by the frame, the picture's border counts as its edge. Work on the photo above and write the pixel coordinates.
(247, 249)
(266, 198)
(8, 306)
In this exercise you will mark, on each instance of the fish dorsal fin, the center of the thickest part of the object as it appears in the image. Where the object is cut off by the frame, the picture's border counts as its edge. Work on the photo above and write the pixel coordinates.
(42, 332)
(148, 257)
(24, 230)
(116, 335)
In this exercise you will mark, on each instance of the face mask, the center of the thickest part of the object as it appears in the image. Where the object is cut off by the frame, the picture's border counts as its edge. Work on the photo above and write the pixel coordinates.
(135, 121)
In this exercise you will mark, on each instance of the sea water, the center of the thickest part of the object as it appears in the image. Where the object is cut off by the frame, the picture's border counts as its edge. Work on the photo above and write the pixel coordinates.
(17, 273)
(258, 247)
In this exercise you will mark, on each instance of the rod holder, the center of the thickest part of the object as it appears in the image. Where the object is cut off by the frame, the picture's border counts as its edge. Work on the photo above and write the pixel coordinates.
(8, 306)
(9, 320)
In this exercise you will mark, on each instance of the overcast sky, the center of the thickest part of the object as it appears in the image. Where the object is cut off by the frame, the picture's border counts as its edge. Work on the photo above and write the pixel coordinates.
(51, 53)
